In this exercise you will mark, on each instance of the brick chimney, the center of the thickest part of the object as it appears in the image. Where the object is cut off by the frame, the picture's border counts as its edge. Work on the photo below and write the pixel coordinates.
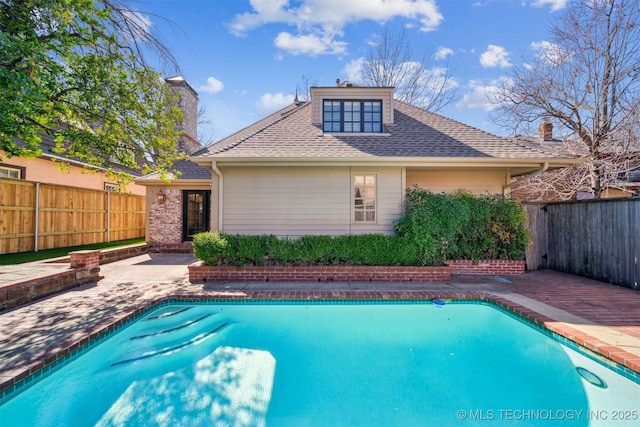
(546, 130)
(188, 103)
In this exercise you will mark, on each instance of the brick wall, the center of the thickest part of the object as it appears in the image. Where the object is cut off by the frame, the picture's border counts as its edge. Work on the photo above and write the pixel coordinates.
(165, 218)
(489, 267)
(198, 272)
(84, 268)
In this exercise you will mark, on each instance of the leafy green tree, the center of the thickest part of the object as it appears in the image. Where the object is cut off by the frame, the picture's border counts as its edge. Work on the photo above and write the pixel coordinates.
(75, 70)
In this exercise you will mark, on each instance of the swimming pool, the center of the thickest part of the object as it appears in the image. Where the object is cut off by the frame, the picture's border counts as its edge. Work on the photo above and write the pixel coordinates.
(327, 363)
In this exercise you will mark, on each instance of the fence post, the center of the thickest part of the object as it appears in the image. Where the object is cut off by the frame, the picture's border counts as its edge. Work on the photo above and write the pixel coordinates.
(37, 219)
(108, 216)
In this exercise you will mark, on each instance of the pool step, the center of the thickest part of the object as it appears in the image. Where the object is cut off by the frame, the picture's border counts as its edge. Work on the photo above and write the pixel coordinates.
(165, 330)
(192, 341)
(168, 312)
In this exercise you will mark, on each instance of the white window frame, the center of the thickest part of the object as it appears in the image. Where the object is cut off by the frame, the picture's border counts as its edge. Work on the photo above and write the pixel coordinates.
(354, 198)
(17, 172)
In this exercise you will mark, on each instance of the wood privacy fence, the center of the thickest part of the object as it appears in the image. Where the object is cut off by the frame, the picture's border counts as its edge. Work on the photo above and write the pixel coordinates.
(598, 239)
(36, 216)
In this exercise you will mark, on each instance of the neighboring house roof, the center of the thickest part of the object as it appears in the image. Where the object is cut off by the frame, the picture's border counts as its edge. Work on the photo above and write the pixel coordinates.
(48, 144)
(415, 134)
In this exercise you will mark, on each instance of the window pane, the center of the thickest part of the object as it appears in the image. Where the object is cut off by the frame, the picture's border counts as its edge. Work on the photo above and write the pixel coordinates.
(376, 127)
(348, 127)
(364, 202)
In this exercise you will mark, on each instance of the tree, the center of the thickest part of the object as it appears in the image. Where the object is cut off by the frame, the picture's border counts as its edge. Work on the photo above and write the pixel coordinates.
(586, 81)
(391, 62)
(76, 70)
(303, 89)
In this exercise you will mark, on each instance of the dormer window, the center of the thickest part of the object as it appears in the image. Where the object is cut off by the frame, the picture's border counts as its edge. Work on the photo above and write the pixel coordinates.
(352, 116)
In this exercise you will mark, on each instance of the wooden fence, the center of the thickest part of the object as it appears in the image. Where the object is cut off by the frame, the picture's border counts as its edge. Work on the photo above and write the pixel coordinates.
(36, 216)
(598, 239)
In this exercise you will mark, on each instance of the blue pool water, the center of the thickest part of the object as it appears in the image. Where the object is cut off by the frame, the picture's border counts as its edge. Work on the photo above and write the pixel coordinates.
(328, 365)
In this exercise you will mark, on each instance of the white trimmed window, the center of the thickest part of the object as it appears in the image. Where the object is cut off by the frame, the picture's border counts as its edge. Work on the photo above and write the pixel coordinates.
(364, 198)
(9, 172)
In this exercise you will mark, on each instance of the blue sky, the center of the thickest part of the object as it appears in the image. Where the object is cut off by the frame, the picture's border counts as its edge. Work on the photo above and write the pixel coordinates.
(246, 57)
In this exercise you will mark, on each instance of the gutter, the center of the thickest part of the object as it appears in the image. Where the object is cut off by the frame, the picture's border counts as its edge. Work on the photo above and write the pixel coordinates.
(543, 167)
(218, 172)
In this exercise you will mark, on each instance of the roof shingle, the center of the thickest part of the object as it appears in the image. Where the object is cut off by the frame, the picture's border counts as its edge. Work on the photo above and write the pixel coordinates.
(416, 133)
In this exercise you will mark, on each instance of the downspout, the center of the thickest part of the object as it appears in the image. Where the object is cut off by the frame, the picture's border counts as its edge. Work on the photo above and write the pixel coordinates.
(218, 172)
(543, 167)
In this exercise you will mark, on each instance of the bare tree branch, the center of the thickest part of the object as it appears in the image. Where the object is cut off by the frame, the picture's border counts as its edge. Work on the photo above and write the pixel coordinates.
(417, 79)
(586, 81)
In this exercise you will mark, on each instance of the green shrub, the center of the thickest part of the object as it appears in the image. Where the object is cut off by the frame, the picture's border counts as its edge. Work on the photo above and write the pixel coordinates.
(210, 247)
(463, 226)
(367, 249)
(431, 222)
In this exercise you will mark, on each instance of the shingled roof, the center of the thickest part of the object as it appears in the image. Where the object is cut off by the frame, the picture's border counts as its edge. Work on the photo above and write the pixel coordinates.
(416, 133)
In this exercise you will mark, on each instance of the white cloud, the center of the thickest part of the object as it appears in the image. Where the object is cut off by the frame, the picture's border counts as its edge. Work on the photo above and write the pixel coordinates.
(140, 26)
(311, 45)
(213, 86)
(549, 52)
(270, 102)
(555, 4)
(353, 69)
(495, 56)
(443, 52)
(321, 22)
(479, 95)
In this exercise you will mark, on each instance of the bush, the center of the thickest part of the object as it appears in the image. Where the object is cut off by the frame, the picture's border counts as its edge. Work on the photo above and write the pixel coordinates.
(463, 226)
(210, 247)
(214, 248)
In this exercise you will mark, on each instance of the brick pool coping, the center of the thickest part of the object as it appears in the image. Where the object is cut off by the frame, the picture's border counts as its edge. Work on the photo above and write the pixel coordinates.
(592, 345)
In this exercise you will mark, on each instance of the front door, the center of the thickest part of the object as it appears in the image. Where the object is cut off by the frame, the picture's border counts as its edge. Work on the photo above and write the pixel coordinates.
(196, 205)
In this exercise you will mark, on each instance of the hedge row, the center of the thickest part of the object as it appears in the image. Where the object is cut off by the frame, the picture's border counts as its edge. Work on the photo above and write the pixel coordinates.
(215, 248)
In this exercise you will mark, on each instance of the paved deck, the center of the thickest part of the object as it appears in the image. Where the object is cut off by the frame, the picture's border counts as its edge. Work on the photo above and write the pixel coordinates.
(595, 314)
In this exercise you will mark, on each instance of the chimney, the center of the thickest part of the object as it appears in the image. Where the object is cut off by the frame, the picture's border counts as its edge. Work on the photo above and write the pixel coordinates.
(188, 103)
(546, 130)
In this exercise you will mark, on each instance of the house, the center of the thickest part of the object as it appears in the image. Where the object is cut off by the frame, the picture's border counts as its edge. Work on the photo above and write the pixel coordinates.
(46, 169)
(559, 185)
(338, 164)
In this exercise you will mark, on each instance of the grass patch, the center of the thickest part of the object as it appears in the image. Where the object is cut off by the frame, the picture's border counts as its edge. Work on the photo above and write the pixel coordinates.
(22, 257)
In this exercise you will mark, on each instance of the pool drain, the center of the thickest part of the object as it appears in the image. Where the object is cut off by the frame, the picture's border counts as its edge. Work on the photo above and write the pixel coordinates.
(591, 377)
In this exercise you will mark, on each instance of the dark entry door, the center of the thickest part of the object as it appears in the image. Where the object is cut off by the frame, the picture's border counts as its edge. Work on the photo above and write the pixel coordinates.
(195, 212)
